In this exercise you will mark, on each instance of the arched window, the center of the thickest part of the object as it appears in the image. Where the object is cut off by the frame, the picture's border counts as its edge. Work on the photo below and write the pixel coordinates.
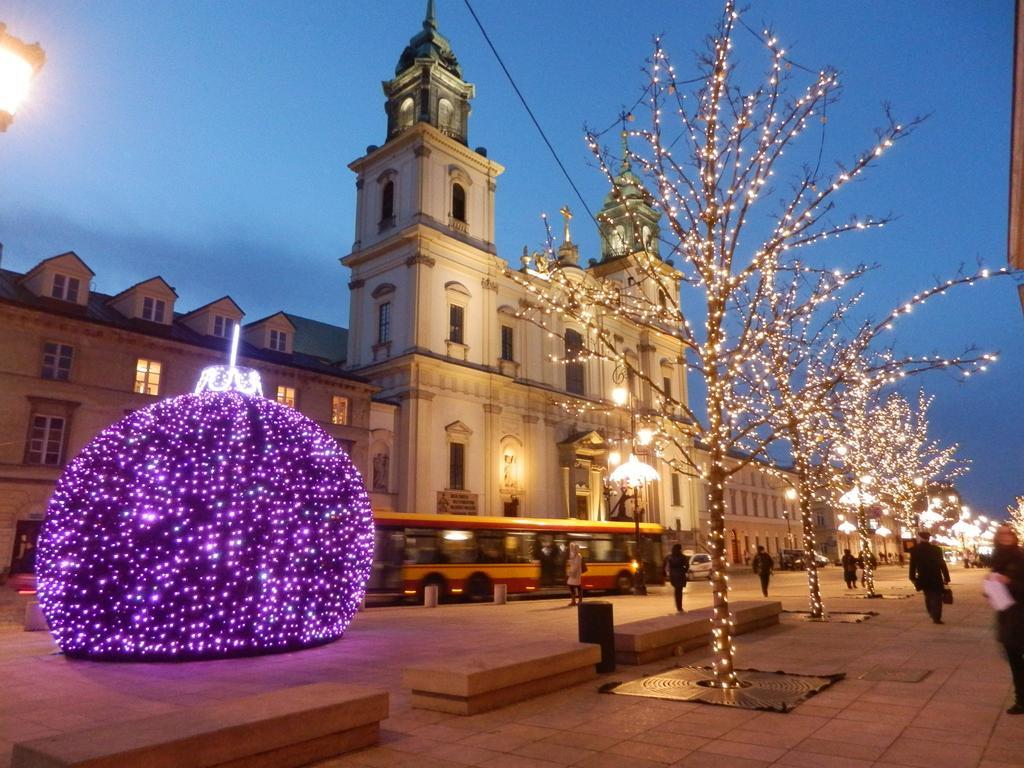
(458, 202)
(619, 240)
(646, 237)
(444, 114)
(387, 203)
(574, 383)
(405, 113)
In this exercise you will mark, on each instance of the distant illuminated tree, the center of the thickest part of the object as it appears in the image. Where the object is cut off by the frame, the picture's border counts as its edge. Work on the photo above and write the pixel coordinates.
(914, 461)
(815, 368)
(1017, 517)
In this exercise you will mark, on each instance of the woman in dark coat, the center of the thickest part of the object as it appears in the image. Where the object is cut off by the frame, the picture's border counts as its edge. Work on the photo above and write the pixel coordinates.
(1008, 568)
(677, 565)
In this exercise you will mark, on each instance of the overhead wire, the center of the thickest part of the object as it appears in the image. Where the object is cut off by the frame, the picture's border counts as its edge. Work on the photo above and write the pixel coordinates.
(529, 111)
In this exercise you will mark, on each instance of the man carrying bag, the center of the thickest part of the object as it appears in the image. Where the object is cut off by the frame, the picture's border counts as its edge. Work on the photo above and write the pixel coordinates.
(930, 575)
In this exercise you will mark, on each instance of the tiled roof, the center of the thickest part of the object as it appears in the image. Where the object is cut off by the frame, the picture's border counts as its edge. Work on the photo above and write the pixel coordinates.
(319, 347)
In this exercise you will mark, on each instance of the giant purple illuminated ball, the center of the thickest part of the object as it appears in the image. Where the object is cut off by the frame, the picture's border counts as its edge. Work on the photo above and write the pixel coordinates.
(205, 526)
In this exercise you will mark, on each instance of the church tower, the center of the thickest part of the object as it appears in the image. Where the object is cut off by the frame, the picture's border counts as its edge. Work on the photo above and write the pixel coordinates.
(424, 268)
(628, 221)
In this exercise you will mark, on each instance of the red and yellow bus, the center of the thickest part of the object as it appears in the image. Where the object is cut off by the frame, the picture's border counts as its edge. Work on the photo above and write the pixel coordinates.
(465, 556)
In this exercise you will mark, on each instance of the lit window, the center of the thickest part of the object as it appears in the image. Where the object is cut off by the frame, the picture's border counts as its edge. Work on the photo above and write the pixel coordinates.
(278, 341)
(65, 287)
(339, 410)
(456, 323)
(286, 396)
(57, 361)
(147, 377)
(507, 343)
(153, 309)
(405, 113)
(45, 440)
(384, 323)
(221, 325)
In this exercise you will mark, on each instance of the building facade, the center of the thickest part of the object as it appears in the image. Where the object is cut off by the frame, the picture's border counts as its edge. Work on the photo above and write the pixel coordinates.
(75, 361)
(436, 323)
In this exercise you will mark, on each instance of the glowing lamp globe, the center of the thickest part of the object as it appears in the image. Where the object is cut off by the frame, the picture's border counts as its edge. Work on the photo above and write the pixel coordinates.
(205, 526)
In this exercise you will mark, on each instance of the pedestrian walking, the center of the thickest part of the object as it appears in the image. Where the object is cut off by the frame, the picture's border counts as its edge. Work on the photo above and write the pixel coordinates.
(929, 573)
(1008, 600)
(849, 569)
(574, 574)
(763, 566)
(677, 568)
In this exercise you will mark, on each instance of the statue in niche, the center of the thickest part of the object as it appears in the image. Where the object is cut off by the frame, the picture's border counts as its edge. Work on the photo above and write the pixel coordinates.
(508, 475)
(380, 472)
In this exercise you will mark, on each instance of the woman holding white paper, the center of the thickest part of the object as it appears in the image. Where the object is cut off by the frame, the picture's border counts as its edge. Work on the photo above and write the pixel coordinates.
(1004, 588)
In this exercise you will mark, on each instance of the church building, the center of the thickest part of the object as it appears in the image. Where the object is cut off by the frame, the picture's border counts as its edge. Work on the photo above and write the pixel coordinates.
(495, 415)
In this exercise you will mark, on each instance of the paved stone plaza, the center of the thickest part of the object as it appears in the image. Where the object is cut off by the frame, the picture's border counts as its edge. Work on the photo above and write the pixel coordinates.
(953, 718)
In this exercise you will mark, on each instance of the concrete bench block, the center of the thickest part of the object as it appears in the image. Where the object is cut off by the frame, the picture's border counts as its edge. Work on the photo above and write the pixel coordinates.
(641, 642)
(279, 729)
(467, 685)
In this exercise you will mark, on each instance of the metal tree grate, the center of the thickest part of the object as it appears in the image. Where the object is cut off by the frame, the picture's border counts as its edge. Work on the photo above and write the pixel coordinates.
(772, 691)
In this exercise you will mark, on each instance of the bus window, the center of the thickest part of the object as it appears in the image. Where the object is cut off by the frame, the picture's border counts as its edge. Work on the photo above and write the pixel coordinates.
(551, 553)
(490, 547)
(388, 557)
(421, 546)
(620, 549)
(602, 550)
(458, 547)
(583, 540)
(520, 547)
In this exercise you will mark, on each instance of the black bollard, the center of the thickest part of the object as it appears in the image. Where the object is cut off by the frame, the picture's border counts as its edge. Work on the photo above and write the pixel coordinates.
(597, 626)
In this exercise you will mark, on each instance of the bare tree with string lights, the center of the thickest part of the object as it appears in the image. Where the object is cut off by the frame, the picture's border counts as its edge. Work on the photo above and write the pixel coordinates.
(704, 160)
(820, 363)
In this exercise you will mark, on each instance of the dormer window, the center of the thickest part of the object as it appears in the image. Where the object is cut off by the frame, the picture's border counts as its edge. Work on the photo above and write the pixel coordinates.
(153, 309)
(221, 325)
(458, 202)
(278, 340)
(65, 287)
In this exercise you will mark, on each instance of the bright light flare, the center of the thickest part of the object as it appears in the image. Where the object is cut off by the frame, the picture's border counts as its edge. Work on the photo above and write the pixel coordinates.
(15, 78)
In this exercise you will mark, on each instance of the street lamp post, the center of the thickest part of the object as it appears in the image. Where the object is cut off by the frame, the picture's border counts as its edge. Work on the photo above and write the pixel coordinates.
(791, 495)
(884, 533)
(634, 474)
(847, 527)
(19, 63)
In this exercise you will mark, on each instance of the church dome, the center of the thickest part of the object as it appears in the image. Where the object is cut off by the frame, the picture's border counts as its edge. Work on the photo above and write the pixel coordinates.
(428, 43)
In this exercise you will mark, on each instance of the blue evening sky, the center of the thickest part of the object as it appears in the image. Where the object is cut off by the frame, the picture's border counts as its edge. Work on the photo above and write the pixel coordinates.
(208, 142)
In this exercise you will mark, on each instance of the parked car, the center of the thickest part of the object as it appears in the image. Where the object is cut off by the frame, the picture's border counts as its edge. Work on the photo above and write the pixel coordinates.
(700, 566)
(793, 559)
